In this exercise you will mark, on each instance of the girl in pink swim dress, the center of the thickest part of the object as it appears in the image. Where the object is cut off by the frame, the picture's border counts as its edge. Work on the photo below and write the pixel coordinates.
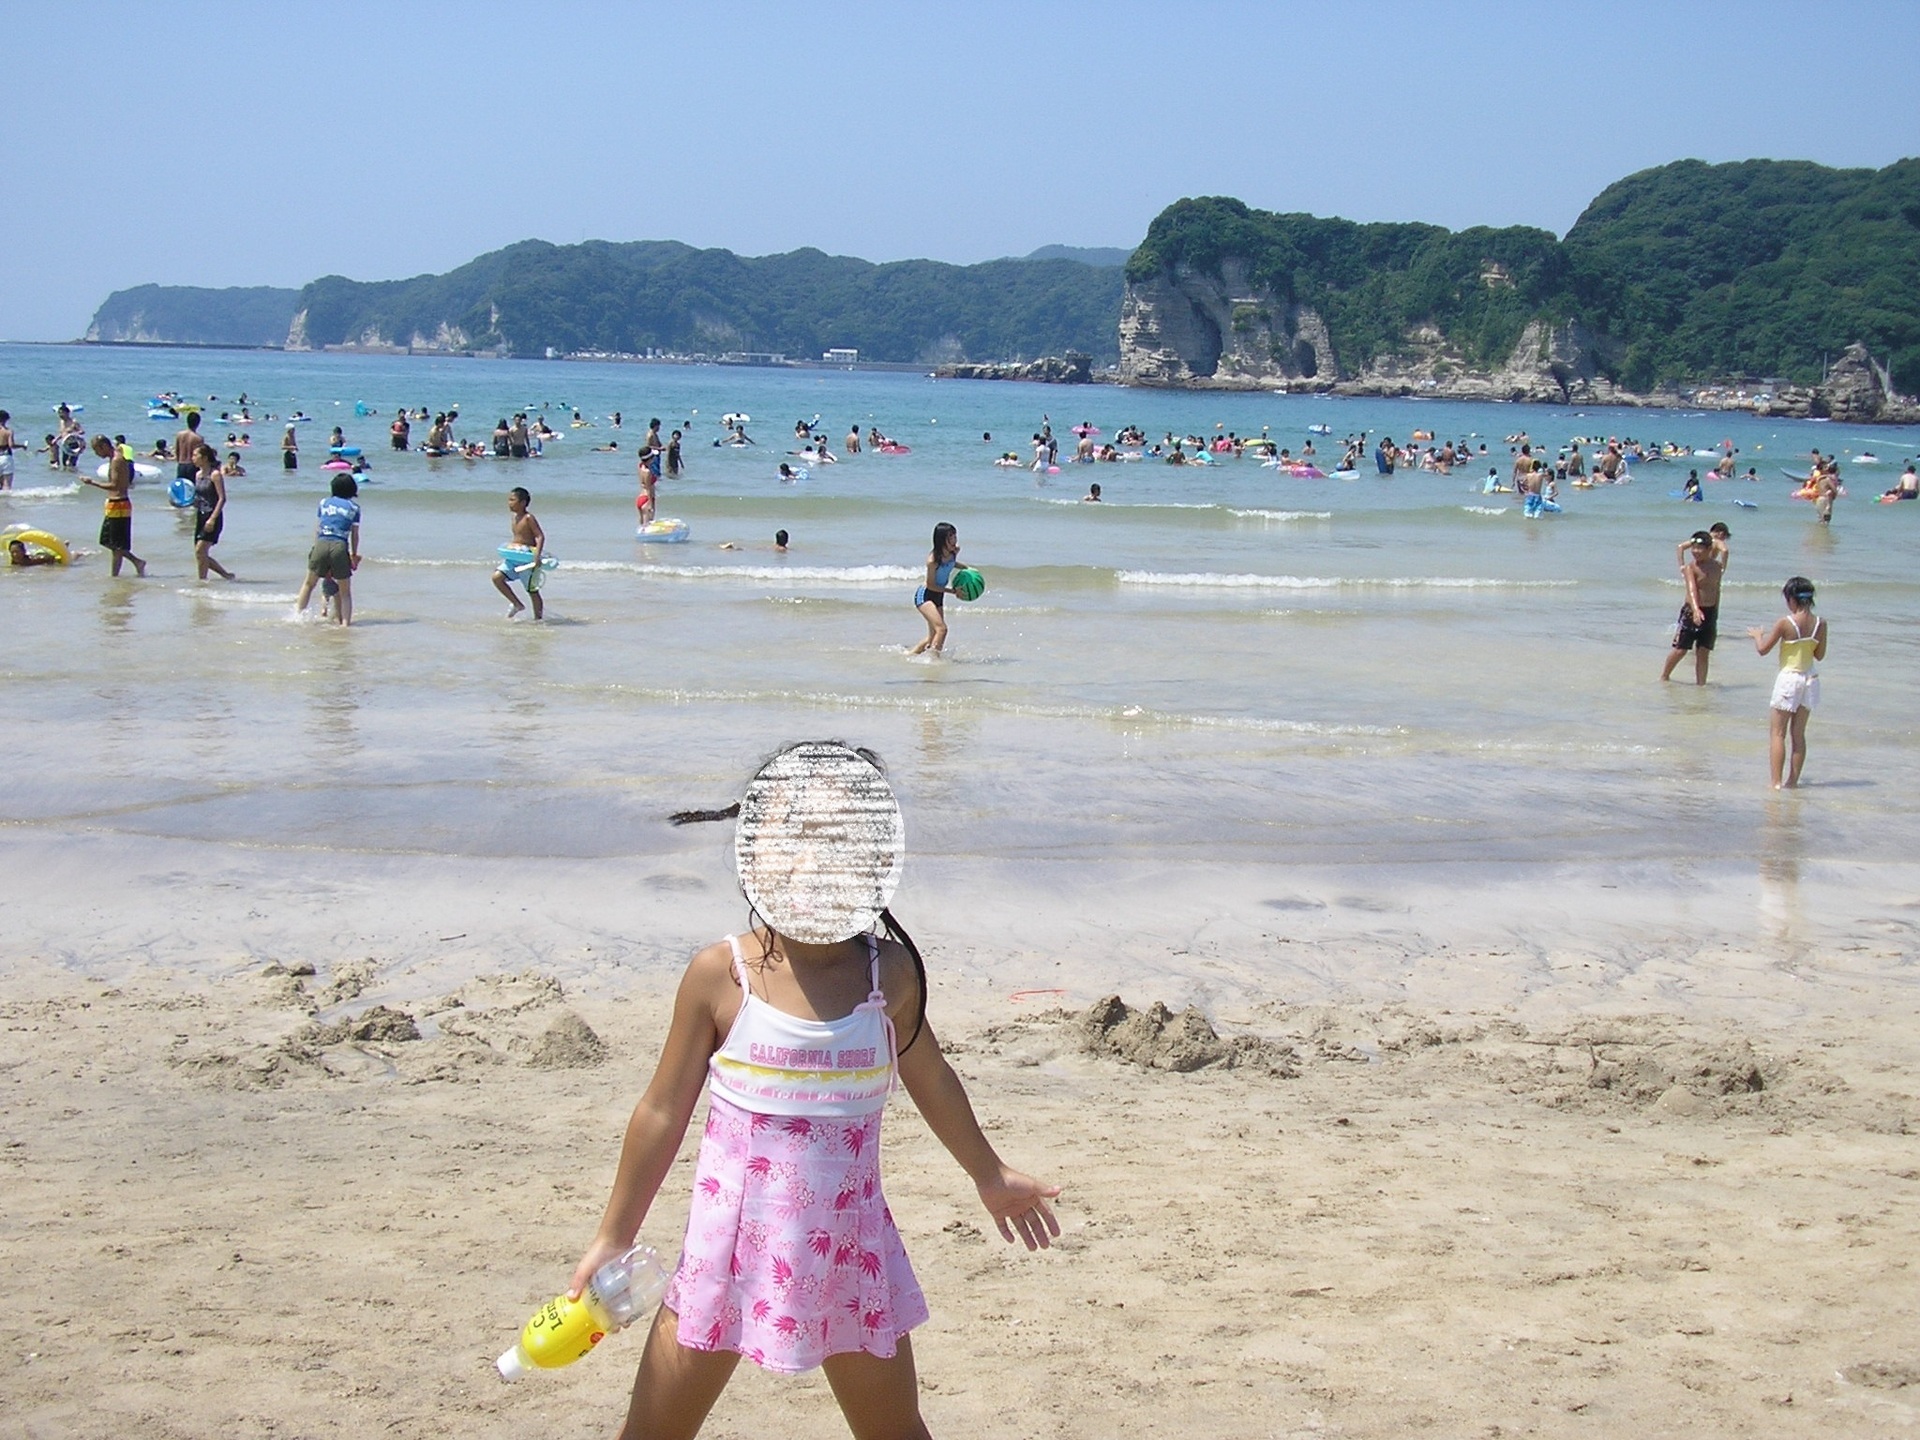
(799, 1031)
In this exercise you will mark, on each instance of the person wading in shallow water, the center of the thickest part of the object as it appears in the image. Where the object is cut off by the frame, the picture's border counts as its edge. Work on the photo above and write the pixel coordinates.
(116, 529)
(209, 512)
(1802, 638)
(1699, 621)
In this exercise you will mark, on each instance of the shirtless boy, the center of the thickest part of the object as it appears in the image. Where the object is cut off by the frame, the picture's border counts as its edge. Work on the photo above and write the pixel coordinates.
(116, 529)
(526, 531)
(186, 446)
(8, 445)
(1700, 614)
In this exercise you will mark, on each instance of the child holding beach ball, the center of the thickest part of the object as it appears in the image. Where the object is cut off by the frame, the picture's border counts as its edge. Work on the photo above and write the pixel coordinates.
(799, 1030)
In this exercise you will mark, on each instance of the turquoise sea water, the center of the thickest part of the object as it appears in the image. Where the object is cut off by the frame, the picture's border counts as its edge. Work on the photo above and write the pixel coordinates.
(1217, 666)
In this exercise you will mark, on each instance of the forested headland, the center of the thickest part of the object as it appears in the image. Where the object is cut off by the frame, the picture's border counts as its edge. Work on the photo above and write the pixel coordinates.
(1681, 276)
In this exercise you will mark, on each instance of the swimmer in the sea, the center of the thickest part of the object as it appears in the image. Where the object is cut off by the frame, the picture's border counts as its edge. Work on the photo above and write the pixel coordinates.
(18, 554)
(1093, 494)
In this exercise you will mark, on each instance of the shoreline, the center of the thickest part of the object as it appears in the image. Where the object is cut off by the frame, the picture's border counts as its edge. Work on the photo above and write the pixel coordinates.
(1463, 393)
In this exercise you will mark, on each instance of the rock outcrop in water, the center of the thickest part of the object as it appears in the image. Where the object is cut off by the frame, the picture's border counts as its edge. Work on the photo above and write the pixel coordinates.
(1049, 370)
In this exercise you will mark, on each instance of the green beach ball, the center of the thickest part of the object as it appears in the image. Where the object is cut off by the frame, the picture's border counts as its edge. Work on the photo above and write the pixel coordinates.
(969, 584)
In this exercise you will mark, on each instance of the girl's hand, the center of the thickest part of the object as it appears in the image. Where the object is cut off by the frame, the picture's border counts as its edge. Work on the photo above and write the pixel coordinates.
(1019, 1203)
(598, 1254)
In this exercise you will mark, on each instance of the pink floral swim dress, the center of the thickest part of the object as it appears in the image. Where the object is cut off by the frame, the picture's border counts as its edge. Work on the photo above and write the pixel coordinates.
(791, 1254)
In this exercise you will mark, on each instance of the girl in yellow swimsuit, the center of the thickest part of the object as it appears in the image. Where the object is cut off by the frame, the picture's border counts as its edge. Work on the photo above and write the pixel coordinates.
(1802, 638)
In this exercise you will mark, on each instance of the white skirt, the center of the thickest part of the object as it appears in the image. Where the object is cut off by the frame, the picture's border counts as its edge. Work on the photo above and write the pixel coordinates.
(1796, 690)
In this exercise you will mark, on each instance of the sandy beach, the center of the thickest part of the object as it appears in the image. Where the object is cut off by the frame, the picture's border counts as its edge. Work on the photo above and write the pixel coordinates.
(1545, 1074)
(242, 1201)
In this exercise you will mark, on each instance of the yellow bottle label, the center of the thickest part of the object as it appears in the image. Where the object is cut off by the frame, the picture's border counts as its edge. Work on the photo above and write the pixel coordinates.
(560, 1332)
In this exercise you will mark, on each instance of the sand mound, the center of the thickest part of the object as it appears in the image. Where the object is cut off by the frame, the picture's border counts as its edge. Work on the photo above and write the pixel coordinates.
(380, 1025)
(1160, 1040)
(568, 1044)
(349, 980)
(1730, 1068)
(521, 1016)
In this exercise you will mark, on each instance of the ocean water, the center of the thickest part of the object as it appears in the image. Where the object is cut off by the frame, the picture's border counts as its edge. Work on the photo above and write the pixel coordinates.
(1219, 670)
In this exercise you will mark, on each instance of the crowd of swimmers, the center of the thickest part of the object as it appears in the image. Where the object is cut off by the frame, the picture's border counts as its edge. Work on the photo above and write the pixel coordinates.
(1799, 637)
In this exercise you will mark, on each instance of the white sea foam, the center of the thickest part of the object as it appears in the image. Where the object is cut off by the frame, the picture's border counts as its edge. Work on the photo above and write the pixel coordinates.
(222, 596)
(411, 563)
(1283, 516)
(793, 574)
(1213, 581)
(41, 492)
(806, 574)
(1488, 509)
(1128, 504)
(1134, 715)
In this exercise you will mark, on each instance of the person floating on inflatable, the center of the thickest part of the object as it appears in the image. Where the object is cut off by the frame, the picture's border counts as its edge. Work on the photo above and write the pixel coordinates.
(27, 547)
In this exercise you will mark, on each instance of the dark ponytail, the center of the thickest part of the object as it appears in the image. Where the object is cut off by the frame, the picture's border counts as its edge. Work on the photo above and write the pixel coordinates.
(896, 931)
(695, 817)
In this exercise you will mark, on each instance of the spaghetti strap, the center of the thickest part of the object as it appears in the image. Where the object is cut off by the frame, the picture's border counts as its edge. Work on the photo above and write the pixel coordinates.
(877, 999)
(739, 965)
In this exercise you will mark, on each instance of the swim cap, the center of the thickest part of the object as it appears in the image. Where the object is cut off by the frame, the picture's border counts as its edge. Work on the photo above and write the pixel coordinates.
(820, 842)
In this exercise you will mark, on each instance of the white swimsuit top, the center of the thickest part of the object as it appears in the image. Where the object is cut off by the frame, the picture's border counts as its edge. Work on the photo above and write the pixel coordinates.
(773, 1063)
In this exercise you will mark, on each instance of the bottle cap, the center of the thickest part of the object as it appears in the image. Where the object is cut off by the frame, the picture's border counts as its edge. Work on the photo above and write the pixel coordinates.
(510, 1365)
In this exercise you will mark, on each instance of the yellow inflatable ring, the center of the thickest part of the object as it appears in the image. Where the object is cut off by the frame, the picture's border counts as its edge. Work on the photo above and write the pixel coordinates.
(38, 540)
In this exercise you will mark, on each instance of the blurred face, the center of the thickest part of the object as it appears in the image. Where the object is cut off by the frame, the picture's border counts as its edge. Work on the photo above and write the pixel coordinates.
(819, 844)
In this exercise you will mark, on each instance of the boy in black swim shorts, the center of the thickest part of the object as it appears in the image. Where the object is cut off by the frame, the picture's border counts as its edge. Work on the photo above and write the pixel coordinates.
(1700, 614)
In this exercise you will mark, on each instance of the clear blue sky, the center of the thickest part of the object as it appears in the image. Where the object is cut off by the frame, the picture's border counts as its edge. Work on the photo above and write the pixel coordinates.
(384, 140)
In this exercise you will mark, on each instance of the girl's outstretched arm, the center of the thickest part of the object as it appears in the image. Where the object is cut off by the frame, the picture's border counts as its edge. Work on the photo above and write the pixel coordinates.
(1017, 1202)
(1764, 640)
(659, 1121)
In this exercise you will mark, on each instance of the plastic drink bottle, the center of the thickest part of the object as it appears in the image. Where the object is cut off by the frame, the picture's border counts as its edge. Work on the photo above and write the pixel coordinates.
(562, 1330)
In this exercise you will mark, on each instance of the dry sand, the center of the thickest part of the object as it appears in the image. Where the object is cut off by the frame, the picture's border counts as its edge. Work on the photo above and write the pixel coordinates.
(253, 1204)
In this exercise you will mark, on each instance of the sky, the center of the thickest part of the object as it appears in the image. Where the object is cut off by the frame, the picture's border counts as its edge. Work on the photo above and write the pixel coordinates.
(199, 143)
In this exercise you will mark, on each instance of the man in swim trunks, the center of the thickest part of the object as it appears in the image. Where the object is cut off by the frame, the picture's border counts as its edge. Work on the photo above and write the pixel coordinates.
(1700, 615)
(186, 446)
(116, 529)
(8, 445)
